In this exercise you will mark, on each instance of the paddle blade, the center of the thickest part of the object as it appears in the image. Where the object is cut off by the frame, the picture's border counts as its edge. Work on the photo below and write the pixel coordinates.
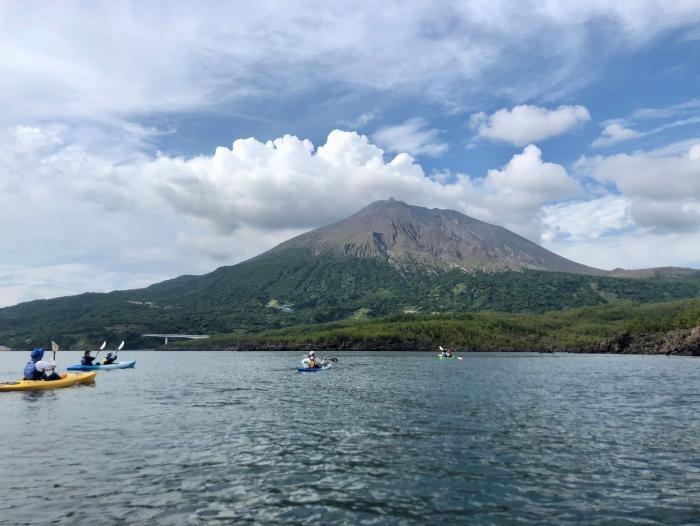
(54, 346)
(440, 347)
(121, 346)
(104, 344)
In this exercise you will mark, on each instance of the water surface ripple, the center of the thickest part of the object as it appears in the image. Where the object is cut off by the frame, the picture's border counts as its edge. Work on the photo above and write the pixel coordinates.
(220, 438)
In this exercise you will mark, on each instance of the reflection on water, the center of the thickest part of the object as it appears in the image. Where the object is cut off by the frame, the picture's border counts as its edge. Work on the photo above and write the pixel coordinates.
(206, 438)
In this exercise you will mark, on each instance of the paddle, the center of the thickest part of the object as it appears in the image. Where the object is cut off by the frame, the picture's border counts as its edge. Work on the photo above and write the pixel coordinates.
(54, 348)
(102, 347)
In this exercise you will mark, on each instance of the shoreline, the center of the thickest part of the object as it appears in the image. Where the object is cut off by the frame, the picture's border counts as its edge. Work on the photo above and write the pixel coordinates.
(378, 348)
(678, 342)
(400, 349)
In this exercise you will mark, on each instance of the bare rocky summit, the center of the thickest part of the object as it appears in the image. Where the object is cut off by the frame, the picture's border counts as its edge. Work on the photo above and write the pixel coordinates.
(412, 237)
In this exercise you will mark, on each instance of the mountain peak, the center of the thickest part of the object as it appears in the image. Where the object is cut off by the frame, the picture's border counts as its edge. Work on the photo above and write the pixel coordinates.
(383, 204)
(432, 239)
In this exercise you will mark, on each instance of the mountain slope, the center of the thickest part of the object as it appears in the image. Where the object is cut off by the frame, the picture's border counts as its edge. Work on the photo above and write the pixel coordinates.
(415, 238)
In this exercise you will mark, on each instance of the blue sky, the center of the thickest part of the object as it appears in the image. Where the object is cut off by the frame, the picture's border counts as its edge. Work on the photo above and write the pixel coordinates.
(656, 76)
(140, 143)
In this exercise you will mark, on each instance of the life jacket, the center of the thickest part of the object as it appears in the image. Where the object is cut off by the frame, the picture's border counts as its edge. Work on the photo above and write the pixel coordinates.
(86, 360)
(31, 372)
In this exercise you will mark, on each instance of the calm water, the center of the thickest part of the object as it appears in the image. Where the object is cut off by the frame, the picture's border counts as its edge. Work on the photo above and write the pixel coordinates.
(187, 438)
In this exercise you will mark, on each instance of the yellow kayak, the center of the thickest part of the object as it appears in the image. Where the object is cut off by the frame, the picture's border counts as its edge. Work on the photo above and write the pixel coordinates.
(67, 380)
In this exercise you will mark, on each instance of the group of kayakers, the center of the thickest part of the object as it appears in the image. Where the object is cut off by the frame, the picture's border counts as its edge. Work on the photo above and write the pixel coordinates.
(88, 359)
(39, 369)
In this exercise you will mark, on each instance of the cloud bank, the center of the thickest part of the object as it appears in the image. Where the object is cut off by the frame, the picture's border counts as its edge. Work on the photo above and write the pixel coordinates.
(155, 217)
(663, 189)
(121, 224)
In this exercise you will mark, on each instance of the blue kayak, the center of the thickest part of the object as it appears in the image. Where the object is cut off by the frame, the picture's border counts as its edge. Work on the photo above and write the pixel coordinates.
(313, 369)
(116, 365)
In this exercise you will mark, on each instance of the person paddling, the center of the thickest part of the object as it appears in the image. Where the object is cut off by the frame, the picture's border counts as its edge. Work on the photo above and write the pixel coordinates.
(87, 358)
(37, 368)
(109, 359)
(312, 361)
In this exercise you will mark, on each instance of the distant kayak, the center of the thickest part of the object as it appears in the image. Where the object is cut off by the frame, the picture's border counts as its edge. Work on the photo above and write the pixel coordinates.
(100, 367)
(314, 369)
(449, 357)
(67, 380)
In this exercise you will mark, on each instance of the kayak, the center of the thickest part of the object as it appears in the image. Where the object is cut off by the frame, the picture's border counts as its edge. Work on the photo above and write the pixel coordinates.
(314, 369)
(67, 380)
(446, 357)
(100, 367)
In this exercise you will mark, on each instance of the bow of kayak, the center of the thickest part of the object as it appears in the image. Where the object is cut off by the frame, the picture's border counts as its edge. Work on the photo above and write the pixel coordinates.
(100, 367)
(67, 380)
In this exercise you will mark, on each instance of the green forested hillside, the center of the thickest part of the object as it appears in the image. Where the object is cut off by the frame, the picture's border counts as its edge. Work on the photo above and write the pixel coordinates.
(555, 331)
(317, 289)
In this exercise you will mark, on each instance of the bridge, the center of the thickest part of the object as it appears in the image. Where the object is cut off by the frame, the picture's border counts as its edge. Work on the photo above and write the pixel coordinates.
(166, 337)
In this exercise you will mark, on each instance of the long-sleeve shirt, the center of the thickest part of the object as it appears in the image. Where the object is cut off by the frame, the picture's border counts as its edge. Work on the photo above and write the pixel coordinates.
(45, 365)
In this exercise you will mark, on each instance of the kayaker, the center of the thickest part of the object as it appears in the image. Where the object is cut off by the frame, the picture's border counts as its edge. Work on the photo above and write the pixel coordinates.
(109, 359)
(449, 352)
(87, 358)
(313, 361)
(36, 368)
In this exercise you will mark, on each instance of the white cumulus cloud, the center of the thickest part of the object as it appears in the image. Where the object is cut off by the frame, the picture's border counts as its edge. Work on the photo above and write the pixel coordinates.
(663, 188)
(579, 220)
(413, 136)
(520, 189)
(614, 133)
(525, 124)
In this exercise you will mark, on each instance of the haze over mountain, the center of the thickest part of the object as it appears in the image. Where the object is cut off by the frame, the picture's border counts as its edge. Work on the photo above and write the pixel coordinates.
(388, 258)
(418, 238)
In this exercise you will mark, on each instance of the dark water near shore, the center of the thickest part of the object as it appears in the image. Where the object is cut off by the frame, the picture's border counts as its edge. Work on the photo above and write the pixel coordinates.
(213, 438)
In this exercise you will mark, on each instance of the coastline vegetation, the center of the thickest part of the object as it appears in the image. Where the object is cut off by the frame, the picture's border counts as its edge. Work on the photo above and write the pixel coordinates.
(551, 331)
